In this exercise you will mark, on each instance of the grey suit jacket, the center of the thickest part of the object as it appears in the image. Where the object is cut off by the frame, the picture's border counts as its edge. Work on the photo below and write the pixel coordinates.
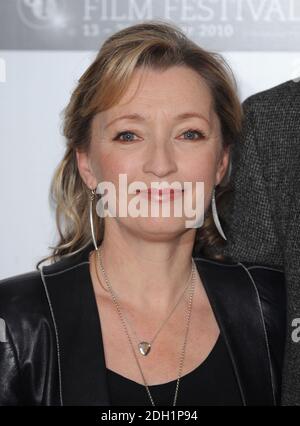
(263, 221)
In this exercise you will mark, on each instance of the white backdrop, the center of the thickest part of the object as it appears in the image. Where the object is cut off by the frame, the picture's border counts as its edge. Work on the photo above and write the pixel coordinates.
(37, 87)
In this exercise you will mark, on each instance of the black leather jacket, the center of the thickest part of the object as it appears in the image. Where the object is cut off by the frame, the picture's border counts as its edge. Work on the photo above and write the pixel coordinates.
(51, 349)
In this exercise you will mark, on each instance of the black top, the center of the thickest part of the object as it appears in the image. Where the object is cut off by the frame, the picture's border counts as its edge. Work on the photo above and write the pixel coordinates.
(212, 383)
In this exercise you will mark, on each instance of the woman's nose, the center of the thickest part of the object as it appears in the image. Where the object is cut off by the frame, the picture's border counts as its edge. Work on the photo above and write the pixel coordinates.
(160, 160)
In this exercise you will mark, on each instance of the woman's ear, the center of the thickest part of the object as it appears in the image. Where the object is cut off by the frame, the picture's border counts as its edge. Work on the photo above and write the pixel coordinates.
(223, 164)
(85, 169)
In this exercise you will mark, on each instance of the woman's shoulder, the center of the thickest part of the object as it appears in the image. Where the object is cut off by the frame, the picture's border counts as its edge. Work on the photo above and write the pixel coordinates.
(16, 286)
(236, 280)
(267, 279)
(22, 298)
(30, 284)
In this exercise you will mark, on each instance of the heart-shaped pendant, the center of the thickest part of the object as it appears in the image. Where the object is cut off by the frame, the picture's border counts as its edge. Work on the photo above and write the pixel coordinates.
(144, 348)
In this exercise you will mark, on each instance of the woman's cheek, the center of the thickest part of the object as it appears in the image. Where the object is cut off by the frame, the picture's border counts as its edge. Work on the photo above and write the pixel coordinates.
(110, 167)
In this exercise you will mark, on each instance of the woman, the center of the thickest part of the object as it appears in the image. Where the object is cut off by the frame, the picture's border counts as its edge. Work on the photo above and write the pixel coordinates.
(143, 310)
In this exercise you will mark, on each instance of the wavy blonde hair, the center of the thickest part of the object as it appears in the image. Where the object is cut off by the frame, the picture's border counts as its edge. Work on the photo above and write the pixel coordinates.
(157, 45)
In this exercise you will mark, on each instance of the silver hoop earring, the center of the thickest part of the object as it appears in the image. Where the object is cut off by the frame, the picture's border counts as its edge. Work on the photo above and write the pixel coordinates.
(92, 197)
(215, 215)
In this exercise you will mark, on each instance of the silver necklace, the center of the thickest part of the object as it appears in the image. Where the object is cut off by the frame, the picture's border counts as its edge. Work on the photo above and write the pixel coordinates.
(144, 347)
(182, 355)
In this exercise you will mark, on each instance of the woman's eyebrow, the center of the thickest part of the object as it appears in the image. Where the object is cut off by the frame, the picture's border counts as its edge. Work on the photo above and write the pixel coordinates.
(191, 115)
(139, 117)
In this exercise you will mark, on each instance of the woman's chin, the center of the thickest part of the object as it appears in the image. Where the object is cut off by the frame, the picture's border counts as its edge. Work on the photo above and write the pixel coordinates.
(160, 226)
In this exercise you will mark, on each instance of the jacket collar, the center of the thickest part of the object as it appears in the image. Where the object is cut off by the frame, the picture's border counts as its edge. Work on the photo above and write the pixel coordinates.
(82, 369)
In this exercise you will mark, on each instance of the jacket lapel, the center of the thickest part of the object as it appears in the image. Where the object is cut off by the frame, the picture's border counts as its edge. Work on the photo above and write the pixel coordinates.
(235, 303)
(81, 353)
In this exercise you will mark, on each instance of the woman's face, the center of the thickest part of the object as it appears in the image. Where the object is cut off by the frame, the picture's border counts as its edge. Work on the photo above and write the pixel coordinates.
(163, 130)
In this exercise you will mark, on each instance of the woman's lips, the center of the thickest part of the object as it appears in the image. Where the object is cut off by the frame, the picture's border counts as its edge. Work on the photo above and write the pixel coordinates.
(161, 195)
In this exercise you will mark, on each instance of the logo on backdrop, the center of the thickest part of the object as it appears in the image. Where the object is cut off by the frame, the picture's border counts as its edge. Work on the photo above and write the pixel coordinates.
(39, 14)
(217, 25)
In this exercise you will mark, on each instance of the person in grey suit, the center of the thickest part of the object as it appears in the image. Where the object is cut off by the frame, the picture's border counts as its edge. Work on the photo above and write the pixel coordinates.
(263, 220)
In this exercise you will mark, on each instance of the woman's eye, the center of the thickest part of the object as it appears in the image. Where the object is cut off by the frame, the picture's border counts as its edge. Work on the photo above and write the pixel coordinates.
(127, 136)
(194, 134)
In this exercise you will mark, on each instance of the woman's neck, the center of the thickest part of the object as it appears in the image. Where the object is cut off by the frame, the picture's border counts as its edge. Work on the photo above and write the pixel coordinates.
(147, 273)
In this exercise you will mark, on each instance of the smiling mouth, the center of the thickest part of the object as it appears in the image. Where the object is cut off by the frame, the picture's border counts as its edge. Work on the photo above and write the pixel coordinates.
(164, 194)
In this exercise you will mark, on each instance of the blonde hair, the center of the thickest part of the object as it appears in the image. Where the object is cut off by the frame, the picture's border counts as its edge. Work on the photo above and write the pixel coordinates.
(157, 45)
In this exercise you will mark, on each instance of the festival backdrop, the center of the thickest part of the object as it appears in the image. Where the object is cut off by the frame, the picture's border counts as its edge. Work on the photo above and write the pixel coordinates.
(45, 45)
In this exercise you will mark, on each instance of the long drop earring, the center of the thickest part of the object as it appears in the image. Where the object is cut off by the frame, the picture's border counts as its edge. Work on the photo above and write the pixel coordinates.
(92, 197)
(215, 215)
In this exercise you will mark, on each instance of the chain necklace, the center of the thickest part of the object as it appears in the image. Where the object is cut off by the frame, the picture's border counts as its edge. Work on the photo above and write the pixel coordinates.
(182, 355)
(143, 346)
